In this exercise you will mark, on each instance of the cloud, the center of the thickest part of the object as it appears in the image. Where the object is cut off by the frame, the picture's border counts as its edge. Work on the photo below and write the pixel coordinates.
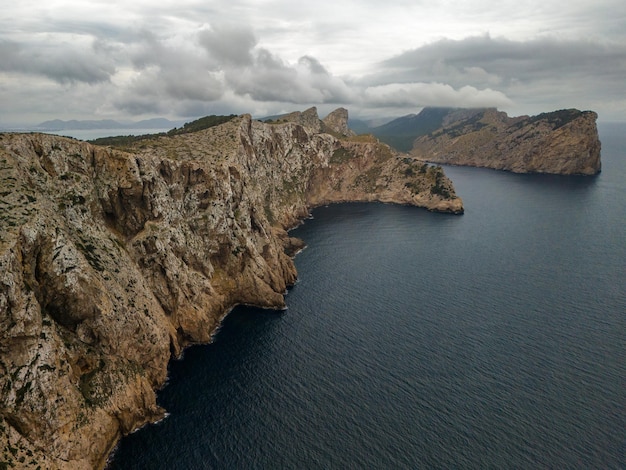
(485, 61)
(156, 73)
(269, 78)
(228, 45)
(156, 89)
(312, 65)
(415, 95)
(68, 65)
(564, 73)
(186, 57)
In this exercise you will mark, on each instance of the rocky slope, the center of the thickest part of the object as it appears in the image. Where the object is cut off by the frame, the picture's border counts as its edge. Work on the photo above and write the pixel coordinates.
(561, 142)
(111, 261)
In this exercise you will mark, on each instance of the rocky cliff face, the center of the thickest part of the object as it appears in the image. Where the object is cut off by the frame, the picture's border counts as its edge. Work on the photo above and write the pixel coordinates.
(561, 142)
(113, 261)
(337, 122)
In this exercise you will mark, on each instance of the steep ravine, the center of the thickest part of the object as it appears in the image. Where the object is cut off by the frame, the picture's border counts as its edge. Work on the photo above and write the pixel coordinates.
(112, 261)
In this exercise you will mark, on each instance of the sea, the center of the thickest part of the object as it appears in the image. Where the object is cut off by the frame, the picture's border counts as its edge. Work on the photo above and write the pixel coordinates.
(91, 134)
(416, 340)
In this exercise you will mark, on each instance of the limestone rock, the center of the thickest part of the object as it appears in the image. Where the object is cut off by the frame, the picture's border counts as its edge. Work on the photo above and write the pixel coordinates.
(112, 261)
(337, 122)
(560, 142)
(307, 118)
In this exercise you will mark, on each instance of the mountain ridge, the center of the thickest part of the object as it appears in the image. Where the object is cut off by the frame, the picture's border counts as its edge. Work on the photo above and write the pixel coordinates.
(401, 132)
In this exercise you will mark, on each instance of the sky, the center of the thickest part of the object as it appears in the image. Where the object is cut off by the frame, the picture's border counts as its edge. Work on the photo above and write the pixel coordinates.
(182, 59)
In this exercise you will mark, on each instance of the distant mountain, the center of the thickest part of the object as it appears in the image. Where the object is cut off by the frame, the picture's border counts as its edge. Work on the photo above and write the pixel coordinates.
(401, 132)
(155, 123)
(359, 126)
(59, 125)
(193, 126)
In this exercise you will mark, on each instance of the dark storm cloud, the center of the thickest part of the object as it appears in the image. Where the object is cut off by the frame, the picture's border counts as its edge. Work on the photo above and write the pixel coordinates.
(483, 60)
(228, 45)
(68, 65)
(268, 78)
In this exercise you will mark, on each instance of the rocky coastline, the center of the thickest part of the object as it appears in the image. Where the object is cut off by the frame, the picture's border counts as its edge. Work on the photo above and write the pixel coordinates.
(563, 142)
(112, 261)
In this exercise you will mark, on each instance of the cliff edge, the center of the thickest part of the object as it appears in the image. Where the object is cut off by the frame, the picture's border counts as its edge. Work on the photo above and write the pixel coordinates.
(561, 142)
(112, 261)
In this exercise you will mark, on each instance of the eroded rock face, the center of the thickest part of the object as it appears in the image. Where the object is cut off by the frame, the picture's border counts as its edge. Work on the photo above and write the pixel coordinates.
(337, 122)
(113, 261)
(562, 142)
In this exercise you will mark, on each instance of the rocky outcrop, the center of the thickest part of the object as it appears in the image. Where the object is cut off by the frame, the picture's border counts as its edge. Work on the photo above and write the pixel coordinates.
(111, 262)
(561, 142)
(337, 122)
(307, 118)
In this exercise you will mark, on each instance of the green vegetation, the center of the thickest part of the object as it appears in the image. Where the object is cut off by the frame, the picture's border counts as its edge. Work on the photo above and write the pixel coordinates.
(555, 119)
(428, 177)
(368, 138)
(465, 126)
(341, 155)
(201, 124)
(415, 168)
(367, 180)
(438, 187)
(125, 141)
(90, 389)
(90, 253)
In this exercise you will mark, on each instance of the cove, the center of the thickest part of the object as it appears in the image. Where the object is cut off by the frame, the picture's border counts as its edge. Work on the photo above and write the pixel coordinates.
(421, 340)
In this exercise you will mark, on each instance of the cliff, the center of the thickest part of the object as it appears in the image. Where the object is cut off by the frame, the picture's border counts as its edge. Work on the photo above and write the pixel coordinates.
(561, 142)
(112, 261)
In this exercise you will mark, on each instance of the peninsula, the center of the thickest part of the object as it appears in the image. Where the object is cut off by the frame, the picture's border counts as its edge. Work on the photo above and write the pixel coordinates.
(113, 260)
(562, 142)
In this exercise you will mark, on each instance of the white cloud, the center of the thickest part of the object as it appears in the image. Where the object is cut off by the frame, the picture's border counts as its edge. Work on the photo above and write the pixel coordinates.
(229, 45)
(538, 74)
(74, 63)
(415, 95)
(190, 56)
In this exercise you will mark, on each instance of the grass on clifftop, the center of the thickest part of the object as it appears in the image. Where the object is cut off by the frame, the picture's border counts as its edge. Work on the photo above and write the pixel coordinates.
(555, 119)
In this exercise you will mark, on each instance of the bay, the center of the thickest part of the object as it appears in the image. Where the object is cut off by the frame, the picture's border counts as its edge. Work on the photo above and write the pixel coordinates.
(420, 340)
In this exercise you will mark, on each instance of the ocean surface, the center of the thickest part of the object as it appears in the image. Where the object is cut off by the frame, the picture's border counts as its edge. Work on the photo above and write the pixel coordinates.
(495, 339)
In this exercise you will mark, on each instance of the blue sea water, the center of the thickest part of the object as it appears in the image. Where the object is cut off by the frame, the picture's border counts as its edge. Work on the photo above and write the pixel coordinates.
(496, 339)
